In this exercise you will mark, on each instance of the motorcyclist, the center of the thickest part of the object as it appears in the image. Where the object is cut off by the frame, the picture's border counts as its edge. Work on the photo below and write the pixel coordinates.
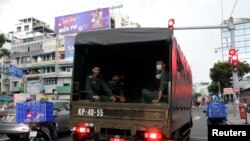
(50, 124)
(222, 109)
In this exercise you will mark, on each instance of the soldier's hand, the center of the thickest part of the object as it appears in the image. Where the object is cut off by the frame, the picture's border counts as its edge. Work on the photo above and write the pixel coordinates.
(113, 98)
(96, 98)
(122, 99)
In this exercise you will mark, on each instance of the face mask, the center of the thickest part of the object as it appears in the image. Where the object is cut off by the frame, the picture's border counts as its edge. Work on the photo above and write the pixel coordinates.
(158, 76)
(158, 67)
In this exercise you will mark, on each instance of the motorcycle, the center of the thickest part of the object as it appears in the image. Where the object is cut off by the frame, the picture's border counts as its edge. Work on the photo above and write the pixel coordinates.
(39, 132)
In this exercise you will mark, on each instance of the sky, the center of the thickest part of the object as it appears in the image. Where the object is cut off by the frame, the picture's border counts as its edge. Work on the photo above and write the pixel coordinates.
(197, 45)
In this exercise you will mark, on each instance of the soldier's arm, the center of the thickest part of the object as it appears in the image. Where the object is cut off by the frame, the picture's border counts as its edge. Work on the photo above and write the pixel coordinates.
(106, 88)
(88, 87)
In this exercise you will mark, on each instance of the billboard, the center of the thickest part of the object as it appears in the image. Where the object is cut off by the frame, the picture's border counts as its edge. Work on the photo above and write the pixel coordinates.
(86, 21)
(14, 71)
(69, 47)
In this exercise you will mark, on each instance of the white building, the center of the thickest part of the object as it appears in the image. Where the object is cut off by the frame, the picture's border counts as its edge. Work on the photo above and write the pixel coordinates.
(40, 54)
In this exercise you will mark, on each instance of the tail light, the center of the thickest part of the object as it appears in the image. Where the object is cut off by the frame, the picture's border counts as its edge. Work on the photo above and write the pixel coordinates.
(153, 135)
(83, 129)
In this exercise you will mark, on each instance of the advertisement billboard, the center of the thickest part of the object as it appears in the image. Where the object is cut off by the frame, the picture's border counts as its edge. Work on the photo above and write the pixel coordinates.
(14, 71)
(85, 21)
(69, 47)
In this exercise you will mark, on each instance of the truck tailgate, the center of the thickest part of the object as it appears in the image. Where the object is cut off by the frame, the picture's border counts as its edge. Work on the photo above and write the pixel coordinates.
(119, 114)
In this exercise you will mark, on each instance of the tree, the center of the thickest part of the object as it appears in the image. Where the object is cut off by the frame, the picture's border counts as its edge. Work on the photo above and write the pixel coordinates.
(222, 71)
(3, 51)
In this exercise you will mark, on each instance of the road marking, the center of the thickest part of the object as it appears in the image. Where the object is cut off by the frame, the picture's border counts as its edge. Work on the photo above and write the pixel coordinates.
(197, 137)
(196, 117)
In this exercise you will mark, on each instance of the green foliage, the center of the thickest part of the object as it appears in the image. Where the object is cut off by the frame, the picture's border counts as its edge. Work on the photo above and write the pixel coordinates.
(222, 71)
(2, 40)
(3, 51)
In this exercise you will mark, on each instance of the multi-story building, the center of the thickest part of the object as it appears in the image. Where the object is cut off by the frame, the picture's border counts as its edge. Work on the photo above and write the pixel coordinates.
(242, 39)
(4, 78)
(40, 54)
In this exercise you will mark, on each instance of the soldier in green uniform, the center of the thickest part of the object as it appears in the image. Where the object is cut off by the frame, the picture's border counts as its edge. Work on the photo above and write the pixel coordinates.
(117, 88)
(97, 88)
(160, 92)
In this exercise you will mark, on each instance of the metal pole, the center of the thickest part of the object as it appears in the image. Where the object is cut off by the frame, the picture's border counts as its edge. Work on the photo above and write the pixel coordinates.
(234, 72)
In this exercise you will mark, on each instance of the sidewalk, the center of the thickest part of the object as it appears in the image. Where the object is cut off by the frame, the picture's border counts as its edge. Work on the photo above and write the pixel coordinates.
(232, 120)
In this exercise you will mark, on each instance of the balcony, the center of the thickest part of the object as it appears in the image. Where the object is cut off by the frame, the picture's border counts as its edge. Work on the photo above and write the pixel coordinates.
(64, 74)
(6, 81)
(43, 75)
(63, 90)
(18, 89)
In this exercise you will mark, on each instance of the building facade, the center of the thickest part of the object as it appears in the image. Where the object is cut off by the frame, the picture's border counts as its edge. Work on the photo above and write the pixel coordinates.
(40, 54)
(242, 40)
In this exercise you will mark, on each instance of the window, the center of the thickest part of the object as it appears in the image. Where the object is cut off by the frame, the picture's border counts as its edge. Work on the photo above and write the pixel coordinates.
(247, 31)
(239, 26)
(66, 84)
(247, 25)
(26, 27)
(18, 29)
(239, 32)
(50, 81)
(225, 34)
(239, 38)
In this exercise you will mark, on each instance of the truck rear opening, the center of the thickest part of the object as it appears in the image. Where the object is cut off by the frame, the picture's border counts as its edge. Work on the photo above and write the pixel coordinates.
(131, 53)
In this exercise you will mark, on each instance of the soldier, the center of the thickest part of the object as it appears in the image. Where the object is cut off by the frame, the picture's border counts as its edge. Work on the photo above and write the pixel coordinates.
(161, 84)
(117, 88)
(96, 85)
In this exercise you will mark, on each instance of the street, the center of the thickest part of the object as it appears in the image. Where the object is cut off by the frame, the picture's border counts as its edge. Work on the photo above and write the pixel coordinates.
(62, 137)
(199, 130)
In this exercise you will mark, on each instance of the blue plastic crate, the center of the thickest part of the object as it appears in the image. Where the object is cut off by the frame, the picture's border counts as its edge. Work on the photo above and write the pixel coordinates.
(216, 110)
(38, 112)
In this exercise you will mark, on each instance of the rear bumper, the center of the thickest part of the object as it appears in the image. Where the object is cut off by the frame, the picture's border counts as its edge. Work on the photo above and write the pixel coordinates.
(14, 129)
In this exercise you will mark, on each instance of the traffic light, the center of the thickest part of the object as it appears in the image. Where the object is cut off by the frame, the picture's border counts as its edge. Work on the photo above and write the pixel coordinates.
(171, 24)
(233, 57)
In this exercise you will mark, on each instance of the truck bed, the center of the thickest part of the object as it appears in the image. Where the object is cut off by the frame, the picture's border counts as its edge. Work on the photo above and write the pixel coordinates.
(127, 116)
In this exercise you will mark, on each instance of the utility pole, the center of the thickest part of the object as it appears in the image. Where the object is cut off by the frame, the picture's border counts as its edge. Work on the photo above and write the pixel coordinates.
(234, 72)
(230, 26)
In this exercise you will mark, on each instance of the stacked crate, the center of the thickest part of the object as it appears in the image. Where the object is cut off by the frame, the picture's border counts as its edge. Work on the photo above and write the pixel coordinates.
(216, 110)
(34, 112)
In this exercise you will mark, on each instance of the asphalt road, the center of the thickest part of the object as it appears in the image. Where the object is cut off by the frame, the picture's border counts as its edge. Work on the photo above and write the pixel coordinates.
(199, 130)
(62, 137)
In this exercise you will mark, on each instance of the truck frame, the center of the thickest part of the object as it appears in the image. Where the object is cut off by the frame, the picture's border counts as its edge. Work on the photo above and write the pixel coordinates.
(131, 52)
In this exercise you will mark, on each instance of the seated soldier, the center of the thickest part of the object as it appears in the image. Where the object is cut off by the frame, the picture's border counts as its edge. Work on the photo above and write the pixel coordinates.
(160, 92)
(96, 85)
(117, 88)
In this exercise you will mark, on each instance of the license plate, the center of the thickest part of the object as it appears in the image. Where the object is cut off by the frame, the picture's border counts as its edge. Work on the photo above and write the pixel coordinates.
(116, 139)
(33, 134)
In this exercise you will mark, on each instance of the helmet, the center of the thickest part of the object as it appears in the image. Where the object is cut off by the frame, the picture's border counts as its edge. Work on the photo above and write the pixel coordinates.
(215, 98)
(43, 98)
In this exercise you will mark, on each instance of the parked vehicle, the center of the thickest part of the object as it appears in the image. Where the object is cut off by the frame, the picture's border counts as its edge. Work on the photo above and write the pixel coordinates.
(131, 52)
(15, 130)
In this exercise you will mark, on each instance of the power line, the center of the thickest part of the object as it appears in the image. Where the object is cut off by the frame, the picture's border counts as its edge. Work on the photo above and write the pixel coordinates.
(234, 7)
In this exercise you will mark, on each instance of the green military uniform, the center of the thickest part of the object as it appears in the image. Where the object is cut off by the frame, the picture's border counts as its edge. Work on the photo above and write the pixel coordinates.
(162, 84)
(97, 86)
(117, 88)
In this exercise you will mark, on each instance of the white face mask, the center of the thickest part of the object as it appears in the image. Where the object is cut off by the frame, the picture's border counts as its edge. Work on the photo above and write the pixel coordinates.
(158, 76)
(158, 67)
